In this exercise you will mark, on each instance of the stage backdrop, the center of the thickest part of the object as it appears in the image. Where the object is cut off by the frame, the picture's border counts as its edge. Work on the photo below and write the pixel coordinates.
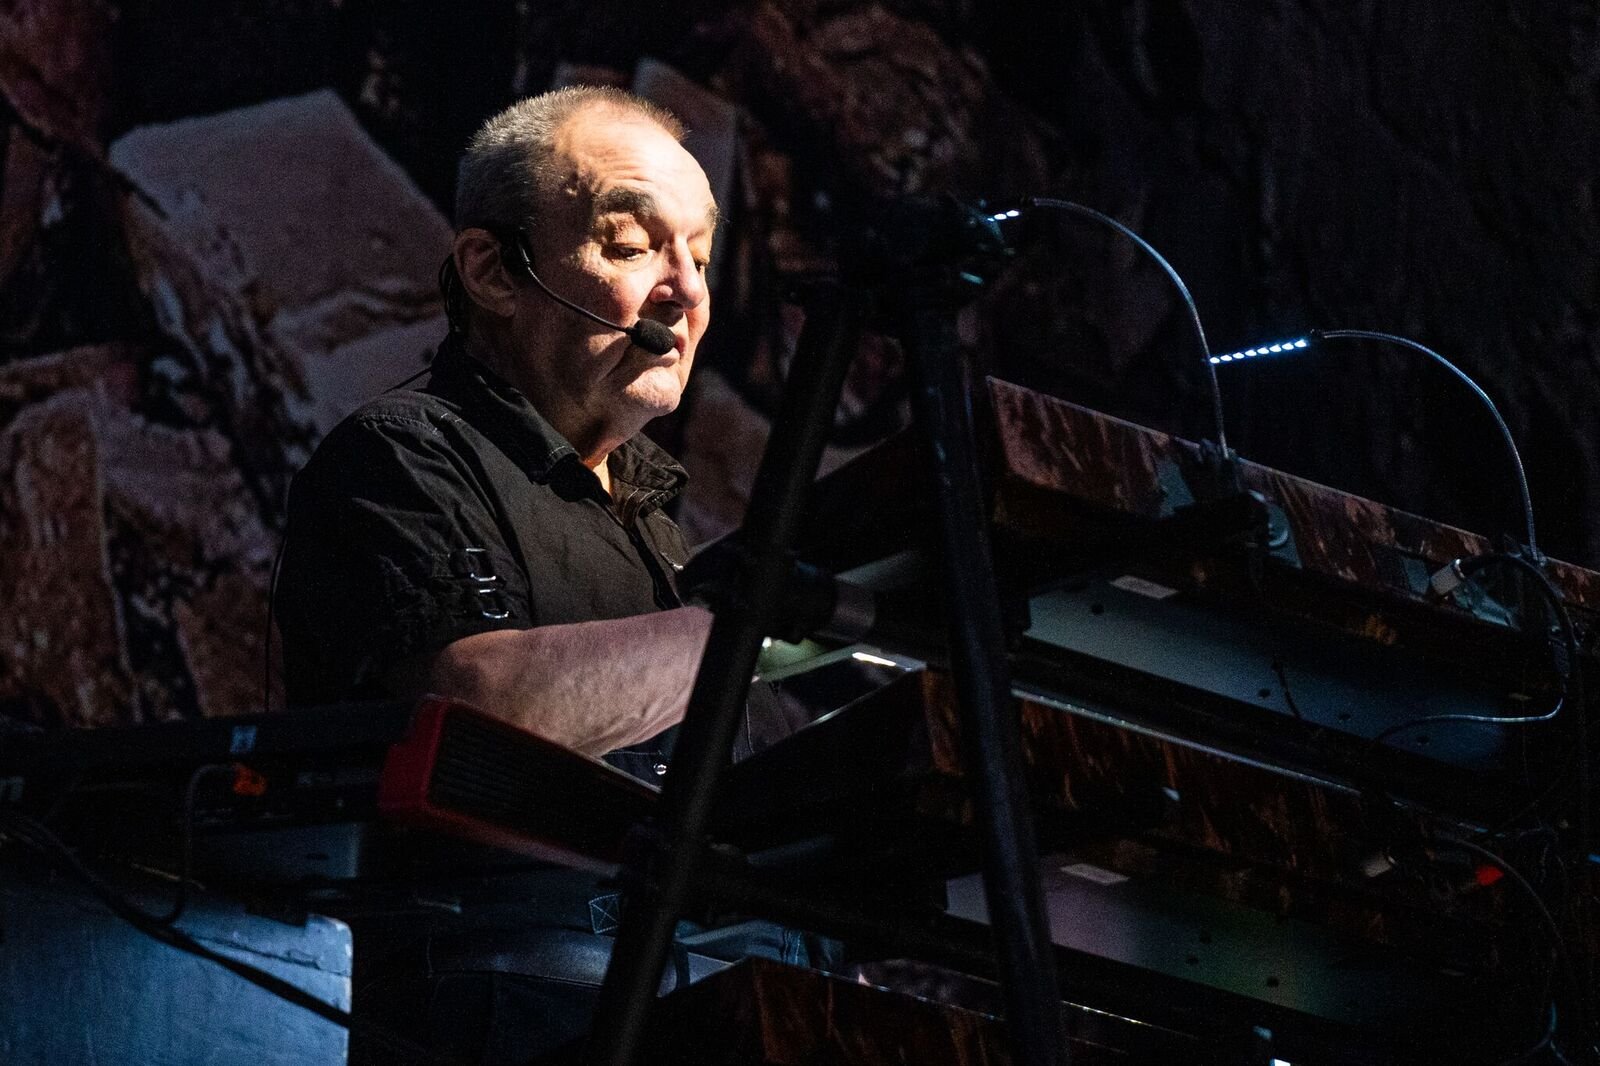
(220, 223)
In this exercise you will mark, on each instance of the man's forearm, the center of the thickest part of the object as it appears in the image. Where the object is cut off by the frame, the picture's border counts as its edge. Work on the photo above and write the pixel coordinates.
(591, 686)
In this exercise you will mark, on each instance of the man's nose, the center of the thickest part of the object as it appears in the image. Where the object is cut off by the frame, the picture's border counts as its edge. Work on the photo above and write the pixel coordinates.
(682, 281)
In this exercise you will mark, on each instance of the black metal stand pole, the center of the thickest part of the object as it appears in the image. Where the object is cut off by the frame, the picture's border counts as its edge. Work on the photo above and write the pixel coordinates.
(990, 727)
(659, 878)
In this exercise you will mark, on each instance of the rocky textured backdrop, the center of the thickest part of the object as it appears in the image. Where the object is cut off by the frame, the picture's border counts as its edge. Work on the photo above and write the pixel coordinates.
(219, 224)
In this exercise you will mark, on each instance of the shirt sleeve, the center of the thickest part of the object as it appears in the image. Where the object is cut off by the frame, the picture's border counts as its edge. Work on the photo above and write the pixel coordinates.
(394, 550)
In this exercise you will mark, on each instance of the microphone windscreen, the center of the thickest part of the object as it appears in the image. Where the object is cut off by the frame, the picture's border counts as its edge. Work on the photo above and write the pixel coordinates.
(652, 336)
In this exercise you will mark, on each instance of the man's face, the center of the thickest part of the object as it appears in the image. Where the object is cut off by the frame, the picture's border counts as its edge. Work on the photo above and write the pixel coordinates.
(627, 234)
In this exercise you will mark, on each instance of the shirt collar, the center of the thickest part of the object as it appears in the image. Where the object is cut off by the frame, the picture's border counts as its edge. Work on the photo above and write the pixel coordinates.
(505, 416)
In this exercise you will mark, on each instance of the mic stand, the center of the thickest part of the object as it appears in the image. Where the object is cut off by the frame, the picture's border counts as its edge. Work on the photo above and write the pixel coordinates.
(663, 854)
(941, 278)
(928, 255)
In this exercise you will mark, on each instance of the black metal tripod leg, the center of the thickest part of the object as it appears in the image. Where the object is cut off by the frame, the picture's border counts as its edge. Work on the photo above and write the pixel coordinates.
(989, 722)
(657, 882)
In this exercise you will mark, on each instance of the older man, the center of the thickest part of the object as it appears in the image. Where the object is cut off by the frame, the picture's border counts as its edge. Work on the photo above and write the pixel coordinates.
(498, 536)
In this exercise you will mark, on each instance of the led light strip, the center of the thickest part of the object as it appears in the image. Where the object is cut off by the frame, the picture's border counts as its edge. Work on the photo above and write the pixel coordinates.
(1266, 349)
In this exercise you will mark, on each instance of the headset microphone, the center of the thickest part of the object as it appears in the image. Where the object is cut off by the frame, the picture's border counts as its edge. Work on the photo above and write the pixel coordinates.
(648, 334)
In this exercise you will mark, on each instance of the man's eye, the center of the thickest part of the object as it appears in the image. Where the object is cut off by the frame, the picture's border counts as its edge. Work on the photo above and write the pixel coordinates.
(629, 251)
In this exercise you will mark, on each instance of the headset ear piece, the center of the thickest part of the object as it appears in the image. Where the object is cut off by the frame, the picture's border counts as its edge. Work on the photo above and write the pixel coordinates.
(454, 295)
(514, 253)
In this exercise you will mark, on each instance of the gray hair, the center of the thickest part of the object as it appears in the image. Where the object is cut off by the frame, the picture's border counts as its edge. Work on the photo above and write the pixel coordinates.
(511, 160)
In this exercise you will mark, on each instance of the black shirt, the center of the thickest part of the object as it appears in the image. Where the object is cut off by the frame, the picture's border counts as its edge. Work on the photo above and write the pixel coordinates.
(431, 515)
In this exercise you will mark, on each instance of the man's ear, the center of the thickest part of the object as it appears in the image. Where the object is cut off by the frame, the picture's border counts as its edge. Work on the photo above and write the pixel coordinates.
(483, 274)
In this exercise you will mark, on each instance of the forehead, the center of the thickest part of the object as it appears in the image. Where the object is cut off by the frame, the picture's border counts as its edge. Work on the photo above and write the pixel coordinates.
(612, 162)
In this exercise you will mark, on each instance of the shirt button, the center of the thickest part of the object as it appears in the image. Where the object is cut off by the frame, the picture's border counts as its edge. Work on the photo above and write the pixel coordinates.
(660, 769)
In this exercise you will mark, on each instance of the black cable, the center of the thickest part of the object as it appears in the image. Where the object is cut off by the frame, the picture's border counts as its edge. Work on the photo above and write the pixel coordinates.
(1462, 716)
(35, 835)
(1541, 1044)
(1183, 291)
(1500, 423)
(1570, 670)
(1569, 639)
(1557, 779)
(1279, 668)
(180, 901)
(1575, 905)
(1583, 900)
(406, 381)
(272, 601)
(1558, 945)
(453, 295)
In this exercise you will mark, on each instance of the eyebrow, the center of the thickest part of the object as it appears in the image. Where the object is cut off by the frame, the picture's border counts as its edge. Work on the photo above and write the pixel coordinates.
(637, 202)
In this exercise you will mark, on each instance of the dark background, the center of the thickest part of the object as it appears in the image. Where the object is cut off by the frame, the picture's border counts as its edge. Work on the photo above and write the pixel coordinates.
(1422, 168)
